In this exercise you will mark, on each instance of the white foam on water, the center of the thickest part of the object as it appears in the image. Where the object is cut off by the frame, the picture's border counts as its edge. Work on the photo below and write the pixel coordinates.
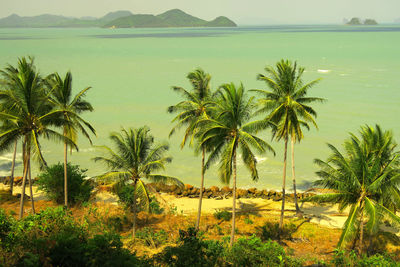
(324, 71)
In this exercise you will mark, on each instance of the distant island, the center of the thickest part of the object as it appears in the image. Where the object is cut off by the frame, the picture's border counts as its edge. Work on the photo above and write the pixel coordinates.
(357, 21)
(118, 19)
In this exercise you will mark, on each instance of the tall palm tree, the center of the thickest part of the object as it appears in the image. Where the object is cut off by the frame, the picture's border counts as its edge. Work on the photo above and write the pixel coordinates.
(288, 107)
(195, 106)
(229, 131)
(69, 107)
(26, 111)
(136, 157)
(366, 178)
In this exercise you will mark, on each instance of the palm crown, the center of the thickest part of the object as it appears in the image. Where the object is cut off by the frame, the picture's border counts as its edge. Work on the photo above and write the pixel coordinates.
(230, 129)
(287, 102)
(365, 178)
(70, 107)
(196, 103)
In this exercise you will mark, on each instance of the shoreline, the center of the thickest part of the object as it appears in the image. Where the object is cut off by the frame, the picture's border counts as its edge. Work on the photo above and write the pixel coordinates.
(326, 215)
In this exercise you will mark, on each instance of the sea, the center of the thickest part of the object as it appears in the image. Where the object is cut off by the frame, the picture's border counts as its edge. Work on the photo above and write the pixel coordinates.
(131, 72)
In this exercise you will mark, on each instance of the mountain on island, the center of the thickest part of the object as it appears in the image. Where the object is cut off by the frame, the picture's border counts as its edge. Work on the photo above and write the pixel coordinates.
(357, 21)
(171, 18)
(118, 19)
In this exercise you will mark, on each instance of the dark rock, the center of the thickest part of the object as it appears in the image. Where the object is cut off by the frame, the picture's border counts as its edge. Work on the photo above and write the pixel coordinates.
(188, 186)
(226, 189)
(252, 190)
(214, 189)
(194, 191)
(277, 198)
(241, 193)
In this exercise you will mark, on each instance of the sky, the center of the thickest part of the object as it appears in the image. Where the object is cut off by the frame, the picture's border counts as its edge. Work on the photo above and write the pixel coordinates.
(243, 12)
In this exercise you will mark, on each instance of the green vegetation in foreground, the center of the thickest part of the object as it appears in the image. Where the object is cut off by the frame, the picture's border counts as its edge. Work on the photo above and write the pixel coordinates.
(54, 238)
(118, 19)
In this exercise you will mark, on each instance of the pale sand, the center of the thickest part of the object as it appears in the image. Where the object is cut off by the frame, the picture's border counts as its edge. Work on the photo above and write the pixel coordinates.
(323, 215)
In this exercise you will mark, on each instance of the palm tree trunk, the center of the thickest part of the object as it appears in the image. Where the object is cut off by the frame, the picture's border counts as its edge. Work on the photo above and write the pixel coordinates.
(134, 210)
(13, 167)
(25, 159)
(30, 187)
(201, 188)
(283, 185)
(65, 175)
(234, 201)
(361, 231)
(298, 212)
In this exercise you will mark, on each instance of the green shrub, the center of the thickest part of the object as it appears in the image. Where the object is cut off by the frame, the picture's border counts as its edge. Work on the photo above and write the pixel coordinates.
(223, 215)
(151, 238)
(342, 258)
(155, 207)
(5, 226)
(253, 252)
(247, 220)
(51, 181)
(53, 238)
(125, 193)
(271, 231)
(192, 250)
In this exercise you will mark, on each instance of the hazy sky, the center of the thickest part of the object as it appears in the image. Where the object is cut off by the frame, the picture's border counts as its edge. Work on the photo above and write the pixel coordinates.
(241, 11)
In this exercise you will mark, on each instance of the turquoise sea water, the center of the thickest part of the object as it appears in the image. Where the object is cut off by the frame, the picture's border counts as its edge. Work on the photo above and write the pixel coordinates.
(132, 71)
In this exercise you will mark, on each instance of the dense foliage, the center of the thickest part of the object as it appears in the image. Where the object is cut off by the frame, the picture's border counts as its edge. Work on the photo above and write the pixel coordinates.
(51, 181)
(52, 237)
(365, 178)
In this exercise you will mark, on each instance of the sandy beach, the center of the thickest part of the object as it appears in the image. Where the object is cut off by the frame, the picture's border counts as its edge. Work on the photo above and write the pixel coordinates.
(327, 215)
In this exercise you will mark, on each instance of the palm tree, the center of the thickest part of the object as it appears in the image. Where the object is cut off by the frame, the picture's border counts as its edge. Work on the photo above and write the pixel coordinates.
(366, 178)
(194, 107)
(229, 131)
(25, 110)
(288, 108)
(69, 108)
(136, 157)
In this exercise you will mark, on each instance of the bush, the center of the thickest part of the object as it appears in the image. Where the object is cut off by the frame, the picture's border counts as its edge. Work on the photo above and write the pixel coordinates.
(192, 250)
(223, 215)
(51, 181)
(155, 207)
(342, 259)
(271, 231)
(5, 226)
(253, 252)
(125, 193)
(53, 238)
(151, 238)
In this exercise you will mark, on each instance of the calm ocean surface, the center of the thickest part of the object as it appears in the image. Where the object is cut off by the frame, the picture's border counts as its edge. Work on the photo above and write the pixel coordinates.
(132, 71)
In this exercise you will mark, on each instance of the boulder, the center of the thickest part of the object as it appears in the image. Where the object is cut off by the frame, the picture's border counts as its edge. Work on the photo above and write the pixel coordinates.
(18, 180)
(226, 190)
(252, 190)
(194, 191)
(241, 193)
(214, 189)
(188, 186)
(258, 193)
